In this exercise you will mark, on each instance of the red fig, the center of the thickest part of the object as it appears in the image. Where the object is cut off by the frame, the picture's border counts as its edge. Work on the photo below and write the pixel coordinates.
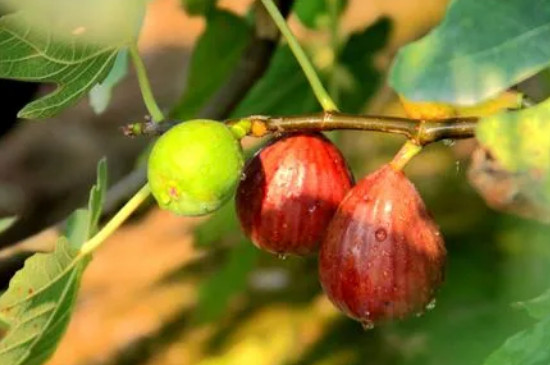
(383, 256)
(290, 191)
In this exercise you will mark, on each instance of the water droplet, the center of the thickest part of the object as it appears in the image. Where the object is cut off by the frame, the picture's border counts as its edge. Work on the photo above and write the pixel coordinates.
(312, 209)
(281, 256)
(380, 234)
(431, 305)
(448, 142)
(367, 324)
(419, 314)
(243, 176)
(457, 165)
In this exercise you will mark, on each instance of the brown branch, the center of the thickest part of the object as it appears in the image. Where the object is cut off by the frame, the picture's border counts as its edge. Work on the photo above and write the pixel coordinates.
(420, 131)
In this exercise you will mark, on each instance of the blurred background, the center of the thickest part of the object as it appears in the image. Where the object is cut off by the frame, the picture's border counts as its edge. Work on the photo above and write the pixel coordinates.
(166, 290)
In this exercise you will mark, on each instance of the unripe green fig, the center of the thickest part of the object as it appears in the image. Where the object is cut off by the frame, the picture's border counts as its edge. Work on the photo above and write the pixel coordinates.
(194, 168)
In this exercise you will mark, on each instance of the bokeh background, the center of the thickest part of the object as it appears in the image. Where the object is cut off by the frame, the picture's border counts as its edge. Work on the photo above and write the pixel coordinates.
(166, 290)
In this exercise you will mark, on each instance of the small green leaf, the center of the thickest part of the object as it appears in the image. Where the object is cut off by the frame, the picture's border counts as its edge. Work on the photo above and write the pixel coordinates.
(315, 13)
(97, 196)
(64, 43)
(6, 223)
(215, 55)
(520, 142)
(283, 90)
(199, 7)
(528, 347)
(216, 292)
(82, 224)
(538, 307)
(38, 305)
(479, 50)
(100, 95)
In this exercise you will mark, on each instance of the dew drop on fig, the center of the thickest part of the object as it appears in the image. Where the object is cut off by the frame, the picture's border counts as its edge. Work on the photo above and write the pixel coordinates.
(381, 234)
(367, 324)
(431, 305)
(281, 256)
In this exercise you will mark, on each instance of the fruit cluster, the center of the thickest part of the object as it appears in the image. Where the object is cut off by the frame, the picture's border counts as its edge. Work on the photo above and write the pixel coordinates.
(381, 255)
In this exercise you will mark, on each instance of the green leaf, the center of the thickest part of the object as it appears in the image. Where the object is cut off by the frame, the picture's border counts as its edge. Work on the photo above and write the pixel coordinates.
(97, 196)
(528, 347)
(283, 90)
(315, 13)
(38, 305)
(538, 307)
(479, 50)
(215, 55)
(100, 95)
(520, 142)
(6, 223)
(199, 7)
(357, 58)
(216, 292)
(82, 224)
(71, 44)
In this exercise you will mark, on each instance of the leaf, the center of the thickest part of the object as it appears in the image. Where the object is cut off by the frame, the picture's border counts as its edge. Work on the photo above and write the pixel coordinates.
(283, 90)
(6, 223)
(528, 347)
(82, 224)
(479, 50)
(316, 13)
(358, 58)
(100, 95)
(199, 7)
(216, 292)
(37, 307)
(520, 142)
(539, 307)
(63, 43)
(215, 55)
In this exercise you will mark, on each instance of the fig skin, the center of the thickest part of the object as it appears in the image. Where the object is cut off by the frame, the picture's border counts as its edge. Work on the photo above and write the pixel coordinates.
(193, 168)
(290, 191)
(383, 257)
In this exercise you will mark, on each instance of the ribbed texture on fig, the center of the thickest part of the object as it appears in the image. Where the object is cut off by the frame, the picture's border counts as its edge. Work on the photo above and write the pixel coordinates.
(290, 191)
(383, 257)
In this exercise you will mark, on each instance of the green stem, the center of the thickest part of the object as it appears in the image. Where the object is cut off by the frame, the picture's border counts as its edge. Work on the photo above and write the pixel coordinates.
(145, 86)
(320, 92)
(405, 154)
(120, 217)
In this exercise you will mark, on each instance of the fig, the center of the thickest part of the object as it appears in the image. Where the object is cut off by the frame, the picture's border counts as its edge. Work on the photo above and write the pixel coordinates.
(194, 168)
(383, 256)
(290, 191)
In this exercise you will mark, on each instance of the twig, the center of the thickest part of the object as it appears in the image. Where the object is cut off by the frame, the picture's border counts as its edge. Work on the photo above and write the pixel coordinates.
(422, 132)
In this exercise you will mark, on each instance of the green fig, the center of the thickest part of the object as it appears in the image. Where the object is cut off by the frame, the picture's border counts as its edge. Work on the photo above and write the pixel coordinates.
(193, 168)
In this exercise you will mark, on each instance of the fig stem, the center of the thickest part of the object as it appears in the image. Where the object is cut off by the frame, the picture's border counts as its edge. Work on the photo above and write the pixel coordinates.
(422, 132)
(311, 74)
(405, 154)
(120, 217)
(145, 86)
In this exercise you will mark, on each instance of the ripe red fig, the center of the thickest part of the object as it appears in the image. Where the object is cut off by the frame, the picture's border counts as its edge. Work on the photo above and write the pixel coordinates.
(290, 191)
(383, 256)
